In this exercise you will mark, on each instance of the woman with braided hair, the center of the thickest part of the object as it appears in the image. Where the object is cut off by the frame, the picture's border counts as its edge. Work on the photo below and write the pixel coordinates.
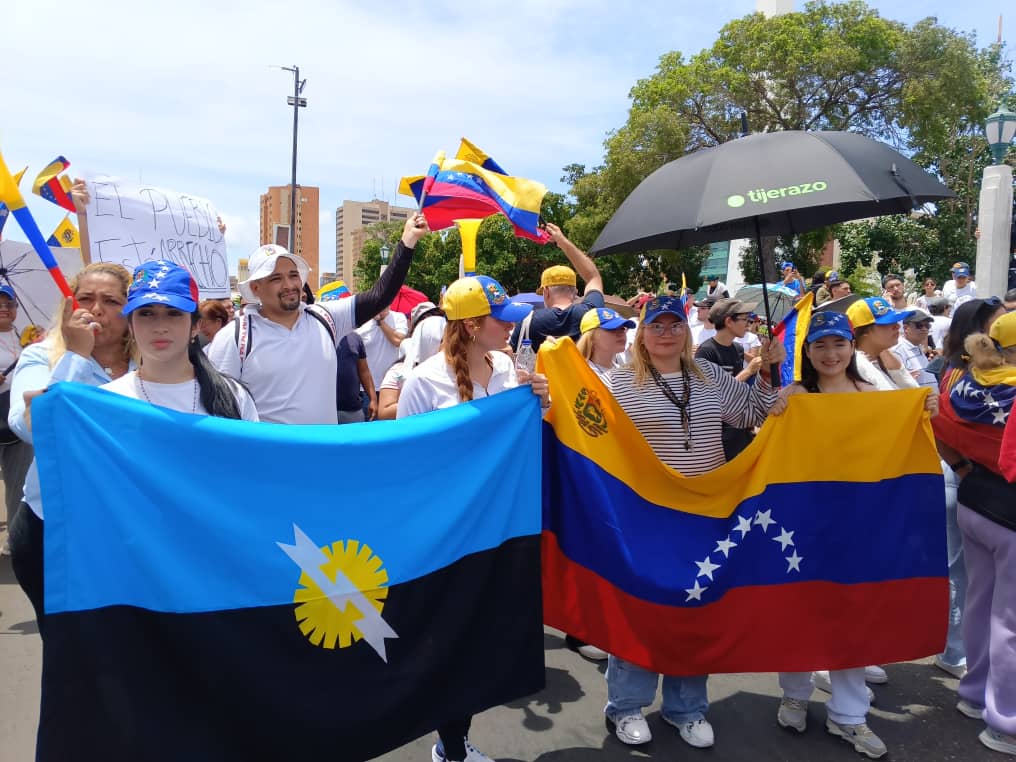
(468, 367)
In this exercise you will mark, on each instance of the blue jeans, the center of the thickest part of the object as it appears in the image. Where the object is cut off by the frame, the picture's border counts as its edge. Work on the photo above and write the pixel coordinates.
(954, 652)
(631, 688)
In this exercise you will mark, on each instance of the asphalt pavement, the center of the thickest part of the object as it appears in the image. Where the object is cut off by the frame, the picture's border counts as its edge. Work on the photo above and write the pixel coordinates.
(914, 714)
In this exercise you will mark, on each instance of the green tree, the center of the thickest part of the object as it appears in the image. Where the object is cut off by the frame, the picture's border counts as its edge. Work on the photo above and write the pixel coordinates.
(833, 66)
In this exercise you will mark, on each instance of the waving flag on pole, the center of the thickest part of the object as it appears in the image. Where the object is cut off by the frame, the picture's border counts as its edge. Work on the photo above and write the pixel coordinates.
(791, 331)
(53, 186)
(11, 196)
(65, 235)
(462, 189)
(4, 211)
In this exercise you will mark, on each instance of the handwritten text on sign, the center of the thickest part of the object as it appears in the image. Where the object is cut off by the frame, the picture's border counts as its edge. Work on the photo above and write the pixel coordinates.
(131, 224)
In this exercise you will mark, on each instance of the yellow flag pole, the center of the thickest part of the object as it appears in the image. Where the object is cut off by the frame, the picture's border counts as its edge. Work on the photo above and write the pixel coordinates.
(468, 229)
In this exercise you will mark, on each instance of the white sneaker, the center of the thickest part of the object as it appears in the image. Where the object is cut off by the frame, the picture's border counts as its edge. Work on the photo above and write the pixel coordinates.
(631, 728)
(998, 741)
(956, 670)
(793, 714)
(697, 733)
(472, 755)
(823, 683)
(875, 675)
(592, 652)
(970, 709)
(860, 736)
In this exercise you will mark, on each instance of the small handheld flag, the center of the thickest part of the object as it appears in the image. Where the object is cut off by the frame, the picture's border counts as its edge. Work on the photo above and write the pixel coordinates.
(54, 187)
(4, 211)
(65, 235)
(11, 196)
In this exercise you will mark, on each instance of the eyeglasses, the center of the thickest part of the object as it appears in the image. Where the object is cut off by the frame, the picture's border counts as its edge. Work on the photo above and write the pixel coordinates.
(920, 326)
(659, 329)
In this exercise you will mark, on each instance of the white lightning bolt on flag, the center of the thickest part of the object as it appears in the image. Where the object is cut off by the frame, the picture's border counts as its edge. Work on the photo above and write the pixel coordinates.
(309, 557)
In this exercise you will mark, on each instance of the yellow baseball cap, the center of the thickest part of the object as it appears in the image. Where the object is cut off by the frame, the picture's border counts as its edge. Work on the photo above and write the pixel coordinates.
(558, 275)
(480, 295)
(1003, 330)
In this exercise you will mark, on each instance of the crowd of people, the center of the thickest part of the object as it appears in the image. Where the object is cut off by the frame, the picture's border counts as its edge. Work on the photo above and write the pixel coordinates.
(696, 383)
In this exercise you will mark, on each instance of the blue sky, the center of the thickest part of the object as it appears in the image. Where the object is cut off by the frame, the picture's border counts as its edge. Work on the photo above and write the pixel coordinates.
(185, 95)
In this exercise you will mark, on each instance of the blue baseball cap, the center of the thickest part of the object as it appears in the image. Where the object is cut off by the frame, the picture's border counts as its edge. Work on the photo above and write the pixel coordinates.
(877, 310)
(162, 282)
(785, 265)
(603, 317)
(663, 305)
(9, 292)
(829, 324)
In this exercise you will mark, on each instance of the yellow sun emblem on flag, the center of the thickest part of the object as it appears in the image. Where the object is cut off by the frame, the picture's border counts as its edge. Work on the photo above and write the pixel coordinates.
(326, 624)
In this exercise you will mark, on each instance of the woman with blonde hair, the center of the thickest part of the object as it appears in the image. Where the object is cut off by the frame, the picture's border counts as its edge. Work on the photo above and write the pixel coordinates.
(469, 366)
(90, 345)
(603, 338)
(679, 404)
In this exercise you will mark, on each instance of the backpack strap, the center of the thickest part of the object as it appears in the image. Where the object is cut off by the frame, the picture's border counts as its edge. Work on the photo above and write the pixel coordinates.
(324, 317)
(243, 337)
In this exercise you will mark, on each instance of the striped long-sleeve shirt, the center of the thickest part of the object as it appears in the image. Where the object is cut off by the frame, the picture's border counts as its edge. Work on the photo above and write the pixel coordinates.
(718, 399)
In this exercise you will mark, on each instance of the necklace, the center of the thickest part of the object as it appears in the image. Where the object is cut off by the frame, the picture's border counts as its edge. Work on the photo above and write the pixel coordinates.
(144, 392)
(682, 403)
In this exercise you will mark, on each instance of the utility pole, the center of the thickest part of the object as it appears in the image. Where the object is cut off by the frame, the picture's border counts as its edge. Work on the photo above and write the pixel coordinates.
(297, 103)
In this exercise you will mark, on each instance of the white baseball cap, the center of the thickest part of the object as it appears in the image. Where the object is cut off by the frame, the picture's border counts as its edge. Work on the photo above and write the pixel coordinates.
(262, 263)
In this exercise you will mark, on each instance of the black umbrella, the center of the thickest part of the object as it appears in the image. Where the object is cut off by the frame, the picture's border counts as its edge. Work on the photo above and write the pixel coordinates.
(774, 183)
(839, 305)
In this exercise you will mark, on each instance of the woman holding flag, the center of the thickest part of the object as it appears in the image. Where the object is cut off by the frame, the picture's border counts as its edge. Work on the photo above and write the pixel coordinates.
(679, 404)
(470, 366)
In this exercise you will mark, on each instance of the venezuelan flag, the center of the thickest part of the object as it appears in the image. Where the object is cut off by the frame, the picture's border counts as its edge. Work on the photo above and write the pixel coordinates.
(15, 202)
(65, 235)
(791, 557)
(469, 151)
(52, 186)
(234, 613)
(461, 189)
(337, 289)
(792, 331)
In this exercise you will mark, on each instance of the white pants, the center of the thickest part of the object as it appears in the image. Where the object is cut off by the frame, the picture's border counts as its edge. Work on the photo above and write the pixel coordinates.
(849, 702)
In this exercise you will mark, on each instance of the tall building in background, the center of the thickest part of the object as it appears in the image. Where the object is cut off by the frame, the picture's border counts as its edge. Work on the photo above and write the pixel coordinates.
(351, 221)
(275, 206)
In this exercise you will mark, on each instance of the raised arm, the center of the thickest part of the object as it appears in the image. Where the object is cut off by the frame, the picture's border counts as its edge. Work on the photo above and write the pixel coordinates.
(383, 292)
(582, 262)
(80, 197)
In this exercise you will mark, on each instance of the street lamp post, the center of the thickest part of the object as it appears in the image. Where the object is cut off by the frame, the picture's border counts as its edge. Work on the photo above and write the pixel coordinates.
(994, 215)
(297, 103)
(385, 251)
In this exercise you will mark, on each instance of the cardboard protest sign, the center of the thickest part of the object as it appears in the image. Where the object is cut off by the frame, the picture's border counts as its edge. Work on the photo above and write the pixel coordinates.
(37, 295)
(130, 224)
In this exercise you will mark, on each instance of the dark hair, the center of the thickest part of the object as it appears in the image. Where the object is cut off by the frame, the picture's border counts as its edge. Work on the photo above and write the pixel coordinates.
(968, 318)
(891, 276)
(213, 309)
(937, 306)
(216, 390)
(809, 376)
(1010, 295)
(818, 277)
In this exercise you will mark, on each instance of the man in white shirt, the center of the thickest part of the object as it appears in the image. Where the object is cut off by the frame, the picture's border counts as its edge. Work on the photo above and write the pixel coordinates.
(961, 288)
(382, 338)
(941, 319)
(913, 344)
(701, 328)
(284, 353)
(716, 288)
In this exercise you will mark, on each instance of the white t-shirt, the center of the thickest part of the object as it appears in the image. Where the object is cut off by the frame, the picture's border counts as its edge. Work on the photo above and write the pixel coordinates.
(701, 332)
(10, 350)
(939, 328)
(431, 385)
(750, 341)
(958, 296)
(381, 353)
(183, 397)
(290, 372)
